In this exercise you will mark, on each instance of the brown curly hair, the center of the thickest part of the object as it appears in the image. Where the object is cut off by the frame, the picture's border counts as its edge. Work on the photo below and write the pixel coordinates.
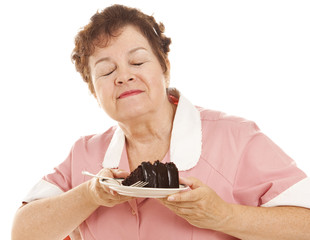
(105, 24)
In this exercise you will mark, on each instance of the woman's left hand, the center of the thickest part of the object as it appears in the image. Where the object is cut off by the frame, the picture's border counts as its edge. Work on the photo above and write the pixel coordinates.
(200, 206)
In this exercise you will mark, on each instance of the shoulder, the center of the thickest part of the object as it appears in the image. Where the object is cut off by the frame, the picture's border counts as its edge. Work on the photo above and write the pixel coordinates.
(224, 138)
(222, 121)
(88, 153)
(95, 141)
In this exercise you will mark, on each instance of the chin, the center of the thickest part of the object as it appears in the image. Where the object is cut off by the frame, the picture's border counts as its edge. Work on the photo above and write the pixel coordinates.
(132, 114)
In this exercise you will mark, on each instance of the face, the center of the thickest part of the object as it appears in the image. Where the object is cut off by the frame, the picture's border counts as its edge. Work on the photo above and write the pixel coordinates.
(128, 79)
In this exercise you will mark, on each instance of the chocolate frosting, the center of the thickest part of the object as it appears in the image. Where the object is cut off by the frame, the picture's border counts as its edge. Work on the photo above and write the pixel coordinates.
(149, 174)
(158, 175)
(162, 175)
(173, 175)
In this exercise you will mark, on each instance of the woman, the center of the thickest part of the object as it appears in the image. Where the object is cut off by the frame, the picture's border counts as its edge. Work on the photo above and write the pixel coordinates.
(238, 177)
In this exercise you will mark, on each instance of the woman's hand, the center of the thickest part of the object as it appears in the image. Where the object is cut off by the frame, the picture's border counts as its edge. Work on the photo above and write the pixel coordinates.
(103, 195)
(200, 206)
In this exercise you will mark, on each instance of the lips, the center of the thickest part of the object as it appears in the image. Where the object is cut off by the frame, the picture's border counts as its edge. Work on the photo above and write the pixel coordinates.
(129, 93)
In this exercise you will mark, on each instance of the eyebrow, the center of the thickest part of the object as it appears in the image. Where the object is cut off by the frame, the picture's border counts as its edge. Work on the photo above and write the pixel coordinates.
(130, 52)
(136, 49)
(101, 60)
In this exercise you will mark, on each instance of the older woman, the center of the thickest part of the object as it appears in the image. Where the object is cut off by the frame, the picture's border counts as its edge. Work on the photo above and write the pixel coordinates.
(237, 176)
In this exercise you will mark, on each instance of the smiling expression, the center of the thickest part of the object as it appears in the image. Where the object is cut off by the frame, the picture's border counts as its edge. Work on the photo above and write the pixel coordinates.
(128, 79)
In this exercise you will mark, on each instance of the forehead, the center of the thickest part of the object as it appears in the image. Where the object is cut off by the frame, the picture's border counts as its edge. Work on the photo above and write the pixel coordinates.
(123, 40)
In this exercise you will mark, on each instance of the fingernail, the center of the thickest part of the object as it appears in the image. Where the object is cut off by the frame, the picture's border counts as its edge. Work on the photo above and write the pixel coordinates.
(170, 198)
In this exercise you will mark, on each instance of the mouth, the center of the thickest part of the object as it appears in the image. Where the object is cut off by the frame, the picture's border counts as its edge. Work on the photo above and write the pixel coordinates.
(129, 93)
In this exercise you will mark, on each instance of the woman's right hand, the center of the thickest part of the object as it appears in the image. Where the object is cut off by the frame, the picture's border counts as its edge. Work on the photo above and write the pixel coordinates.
(103, 195)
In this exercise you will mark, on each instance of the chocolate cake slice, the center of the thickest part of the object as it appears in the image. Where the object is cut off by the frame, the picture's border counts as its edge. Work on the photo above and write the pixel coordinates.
(158, 175)
(135, 176)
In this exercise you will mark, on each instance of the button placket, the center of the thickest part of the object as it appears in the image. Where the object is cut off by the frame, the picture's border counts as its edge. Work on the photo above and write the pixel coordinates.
(134, 212)
(134, 207)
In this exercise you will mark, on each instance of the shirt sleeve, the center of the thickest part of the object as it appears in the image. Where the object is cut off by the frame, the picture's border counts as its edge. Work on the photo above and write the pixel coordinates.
(267, 177)
(54, 183)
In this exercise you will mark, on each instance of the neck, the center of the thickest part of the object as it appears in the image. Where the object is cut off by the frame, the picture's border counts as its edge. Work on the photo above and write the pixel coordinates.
(155, 127)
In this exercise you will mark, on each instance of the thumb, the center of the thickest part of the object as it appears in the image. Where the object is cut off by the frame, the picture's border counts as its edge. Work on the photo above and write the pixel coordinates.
(192, 182)
(118, 173)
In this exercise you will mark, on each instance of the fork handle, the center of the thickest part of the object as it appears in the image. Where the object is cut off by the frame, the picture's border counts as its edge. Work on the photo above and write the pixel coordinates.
(100, 177)
(91, 174)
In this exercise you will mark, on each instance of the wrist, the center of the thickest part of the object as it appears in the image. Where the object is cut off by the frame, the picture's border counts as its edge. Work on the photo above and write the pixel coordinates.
(234, 224)
(229, 218)
(88, 194)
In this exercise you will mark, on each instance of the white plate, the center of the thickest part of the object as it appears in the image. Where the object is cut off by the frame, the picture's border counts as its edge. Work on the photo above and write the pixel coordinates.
(142, 192)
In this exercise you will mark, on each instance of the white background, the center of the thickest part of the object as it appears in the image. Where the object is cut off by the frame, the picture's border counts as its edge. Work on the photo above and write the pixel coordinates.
(246, 58)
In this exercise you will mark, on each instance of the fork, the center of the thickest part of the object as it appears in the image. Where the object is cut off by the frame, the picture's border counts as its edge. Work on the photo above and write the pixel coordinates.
(100, 177)
(136, 184)
(139, 184)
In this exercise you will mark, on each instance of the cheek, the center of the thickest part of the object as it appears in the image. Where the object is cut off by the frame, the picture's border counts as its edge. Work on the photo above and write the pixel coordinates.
(155, 80)
(160, 84)
(103, 93)
(107, 105)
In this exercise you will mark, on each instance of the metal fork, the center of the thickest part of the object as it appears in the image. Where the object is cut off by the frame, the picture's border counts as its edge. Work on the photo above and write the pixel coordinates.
(101, 177)
(136, 184)
(139, 184)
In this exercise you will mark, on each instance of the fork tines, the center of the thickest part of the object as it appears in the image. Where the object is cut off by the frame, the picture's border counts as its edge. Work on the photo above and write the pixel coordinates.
(139, 184)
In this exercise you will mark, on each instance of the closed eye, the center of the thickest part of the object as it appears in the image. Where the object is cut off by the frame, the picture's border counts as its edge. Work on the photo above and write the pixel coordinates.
(107, 74)
(137, 64)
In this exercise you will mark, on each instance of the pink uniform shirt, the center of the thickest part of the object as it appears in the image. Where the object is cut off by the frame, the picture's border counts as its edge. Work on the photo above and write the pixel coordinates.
(228, 154)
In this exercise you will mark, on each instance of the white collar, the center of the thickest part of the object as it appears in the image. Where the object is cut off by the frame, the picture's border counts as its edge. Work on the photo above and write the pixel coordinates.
(186, 139)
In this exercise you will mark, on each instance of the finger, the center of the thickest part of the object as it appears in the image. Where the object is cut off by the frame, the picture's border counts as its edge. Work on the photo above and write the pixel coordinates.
(113, 195)
(118, 173)
(106, 172)
(118, 198)
(188, 205)
(188, 196)
(100, 186)
(180, 210)
(114, 200)
(192, 182)
(185, 181)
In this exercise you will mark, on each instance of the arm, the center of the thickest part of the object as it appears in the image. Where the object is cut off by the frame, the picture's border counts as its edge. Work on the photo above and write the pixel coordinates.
(203, 208)
(255, 223)
(53, 218)
(57, 217)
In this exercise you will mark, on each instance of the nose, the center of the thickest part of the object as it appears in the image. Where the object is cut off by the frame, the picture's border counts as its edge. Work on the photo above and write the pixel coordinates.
(123, 77)
(123, 81)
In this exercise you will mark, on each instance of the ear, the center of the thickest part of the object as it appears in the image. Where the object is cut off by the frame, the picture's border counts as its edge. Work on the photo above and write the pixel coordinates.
(167, 74)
